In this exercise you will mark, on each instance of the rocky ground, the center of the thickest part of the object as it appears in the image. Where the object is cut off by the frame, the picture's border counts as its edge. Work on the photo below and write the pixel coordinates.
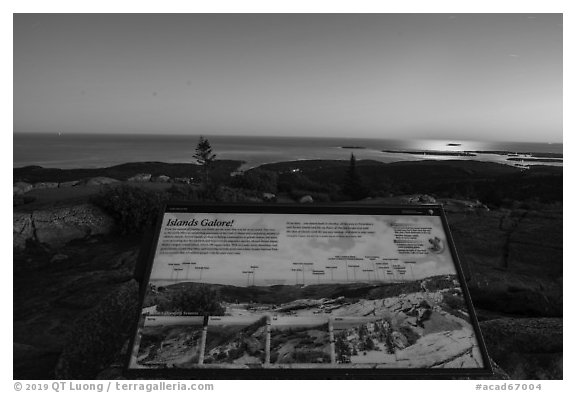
(72, 295)
(514, 258)
(75, 295)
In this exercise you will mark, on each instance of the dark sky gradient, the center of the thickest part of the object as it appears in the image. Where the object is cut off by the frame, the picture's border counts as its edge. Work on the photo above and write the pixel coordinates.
(467, 76)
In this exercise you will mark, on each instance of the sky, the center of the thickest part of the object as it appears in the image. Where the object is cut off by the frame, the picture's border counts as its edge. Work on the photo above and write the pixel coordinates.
(448, 76)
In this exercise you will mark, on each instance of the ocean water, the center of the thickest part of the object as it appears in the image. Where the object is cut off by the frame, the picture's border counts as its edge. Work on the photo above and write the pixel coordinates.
(98, 150)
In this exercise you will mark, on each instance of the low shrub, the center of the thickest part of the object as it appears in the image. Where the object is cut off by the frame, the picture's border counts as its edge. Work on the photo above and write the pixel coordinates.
(134, 209)
(310, 356)
(257, 180)
(410, 335)
(455, 302)
(199, 299)
(296, 194)
(22, 199)
(298, 181)
(196, 193)
(187, 192)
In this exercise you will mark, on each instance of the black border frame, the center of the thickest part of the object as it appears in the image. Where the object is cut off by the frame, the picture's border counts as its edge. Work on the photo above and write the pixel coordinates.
(308, 373)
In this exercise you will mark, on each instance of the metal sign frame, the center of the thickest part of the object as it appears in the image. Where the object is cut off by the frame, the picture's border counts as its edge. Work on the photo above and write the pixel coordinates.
(313, 372)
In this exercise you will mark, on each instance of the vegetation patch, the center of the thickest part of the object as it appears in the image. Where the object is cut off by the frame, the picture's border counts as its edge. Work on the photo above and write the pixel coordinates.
(134, 209)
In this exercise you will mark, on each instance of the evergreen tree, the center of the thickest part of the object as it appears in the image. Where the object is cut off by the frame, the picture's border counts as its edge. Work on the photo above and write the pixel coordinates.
(342, 349)
(353, 186)
(389, 343)
(369, 344)
(204, 157)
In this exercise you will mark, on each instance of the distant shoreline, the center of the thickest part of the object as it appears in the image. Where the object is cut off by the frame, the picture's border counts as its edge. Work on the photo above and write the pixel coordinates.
(35, 173)
(122, 172)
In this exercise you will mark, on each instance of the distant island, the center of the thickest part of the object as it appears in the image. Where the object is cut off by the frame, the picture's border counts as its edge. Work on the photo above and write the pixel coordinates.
(352, 147)
(453, 144)
(434, 153)
(535, 159)
(511, 153)
(518, 156)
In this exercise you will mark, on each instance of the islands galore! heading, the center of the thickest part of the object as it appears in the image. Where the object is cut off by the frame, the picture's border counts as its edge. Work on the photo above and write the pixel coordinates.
(174, 222)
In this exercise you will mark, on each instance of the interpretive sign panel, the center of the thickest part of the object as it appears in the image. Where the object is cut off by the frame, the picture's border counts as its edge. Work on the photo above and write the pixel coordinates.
(292, 289)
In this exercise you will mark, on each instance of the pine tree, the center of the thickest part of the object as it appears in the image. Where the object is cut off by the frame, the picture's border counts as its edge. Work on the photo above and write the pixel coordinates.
(369, 344)
(204, 157)
(342, 349)
(353, 186)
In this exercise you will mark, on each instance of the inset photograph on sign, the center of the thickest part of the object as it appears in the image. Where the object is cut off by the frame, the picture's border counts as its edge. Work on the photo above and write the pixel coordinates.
(299, 341)
(295, 291)
(169, 342)
(236, 341)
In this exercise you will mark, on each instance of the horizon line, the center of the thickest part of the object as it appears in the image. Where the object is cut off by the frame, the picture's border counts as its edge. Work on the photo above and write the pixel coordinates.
(169, 134)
